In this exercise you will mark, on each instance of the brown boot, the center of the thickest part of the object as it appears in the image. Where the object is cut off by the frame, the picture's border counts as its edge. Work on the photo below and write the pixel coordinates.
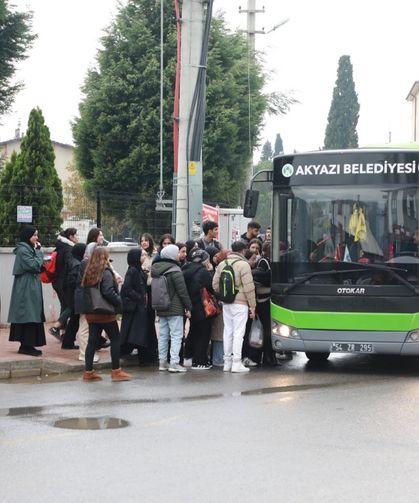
(90, 375)
(120, 375)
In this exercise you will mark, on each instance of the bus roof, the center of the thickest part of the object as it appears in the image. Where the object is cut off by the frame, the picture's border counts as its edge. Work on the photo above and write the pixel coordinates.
(398, 147)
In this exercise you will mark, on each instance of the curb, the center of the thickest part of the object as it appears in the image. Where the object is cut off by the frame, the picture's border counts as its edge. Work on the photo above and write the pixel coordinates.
(34, 368)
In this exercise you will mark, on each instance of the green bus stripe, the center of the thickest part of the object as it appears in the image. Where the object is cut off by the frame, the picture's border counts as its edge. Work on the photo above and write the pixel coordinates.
(315, 320)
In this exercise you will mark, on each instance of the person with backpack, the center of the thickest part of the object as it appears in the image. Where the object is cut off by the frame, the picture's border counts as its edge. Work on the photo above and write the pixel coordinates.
(210, 230)
(233, 282)
(197, 277)
(65, 242)
(170, 299)
(262, 278)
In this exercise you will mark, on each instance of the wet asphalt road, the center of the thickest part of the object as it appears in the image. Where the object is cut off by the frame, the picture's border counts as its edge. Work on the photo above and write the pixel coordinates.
(345, 432)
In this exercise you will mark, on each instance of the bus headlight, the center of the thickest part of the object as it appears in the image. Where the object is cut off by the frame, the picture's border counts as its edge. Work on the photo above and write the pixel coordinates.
(413, 336)
(285, 330)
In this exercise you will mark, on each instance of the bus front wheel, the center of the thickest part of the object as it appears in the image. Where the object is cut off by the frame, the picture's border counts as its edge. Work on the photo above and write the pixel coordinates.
(317, 357)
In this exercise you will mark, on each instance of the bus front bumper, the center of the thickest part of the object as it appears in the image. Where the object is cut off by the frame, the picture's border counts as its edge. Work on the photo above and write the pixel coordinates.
(345, 341)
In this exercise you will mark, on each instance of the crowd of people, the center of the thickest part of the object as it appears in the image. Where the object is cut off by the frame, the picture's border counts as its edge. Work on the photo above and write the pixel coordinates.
(169, 309)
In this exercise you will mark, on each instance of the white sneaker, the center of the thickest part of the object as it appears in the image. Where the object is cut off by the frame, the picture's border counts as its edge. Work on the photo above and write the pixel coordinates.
(95, 358)
(176, 367)
(163, 365)
(187, 362)
(239, 367)
(247, 362)
(227, 366)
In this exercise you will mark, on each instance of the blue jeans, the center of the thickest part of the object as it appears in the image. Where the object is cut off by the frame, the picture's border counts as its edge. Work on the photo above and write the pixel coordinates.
(171, 329)
(217, 352)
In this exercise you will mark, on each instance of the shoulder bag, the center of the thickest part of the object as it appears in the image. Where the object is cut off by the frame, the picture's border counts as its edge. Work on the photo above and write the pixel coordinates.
(98, 304)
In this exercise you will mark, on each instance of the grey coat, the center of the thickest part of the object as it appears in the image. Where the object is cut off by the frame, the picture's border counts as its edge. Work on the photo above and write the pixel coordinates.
(26, 303)
(177, 289)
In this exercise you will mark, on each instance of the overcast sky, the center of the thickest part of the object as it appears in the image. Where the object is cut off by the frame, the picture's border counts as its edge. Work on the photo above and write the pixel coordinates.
(302, 56)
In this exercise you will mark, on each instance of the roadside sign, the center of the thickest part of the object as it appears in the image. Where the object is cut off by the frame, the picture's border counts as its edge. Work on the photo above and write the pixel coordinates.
(24, 214)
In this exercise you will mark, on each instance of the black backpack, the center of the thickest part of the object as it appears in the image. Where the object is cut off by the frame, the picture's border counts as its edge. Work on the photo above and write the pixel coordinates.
(227, 283)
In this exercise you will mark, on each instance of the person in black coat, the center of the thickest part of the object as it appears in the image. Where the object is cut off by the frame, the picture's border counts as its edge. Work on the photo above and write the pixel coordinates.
(65, 242)
(134, 304)
(197, 276)
(262, 277)
(70, 284)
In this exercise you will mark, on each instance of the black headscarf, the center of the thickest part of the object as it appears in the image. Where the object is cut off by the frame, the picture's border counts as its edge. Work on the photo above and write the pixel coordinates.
(78, 251)
(133, 257)
(190, 245)
(26, 233)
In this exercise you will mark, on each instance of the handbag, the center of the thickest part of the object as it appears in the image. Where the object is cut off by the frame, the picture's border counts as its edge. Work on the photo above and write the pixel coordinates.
(98, 304)
(209, 303)
(256, 334)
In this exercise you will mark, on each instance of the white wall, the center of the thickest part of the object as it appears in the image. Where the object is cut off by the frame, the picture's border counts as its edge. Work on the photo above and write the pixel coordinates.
(51, 304)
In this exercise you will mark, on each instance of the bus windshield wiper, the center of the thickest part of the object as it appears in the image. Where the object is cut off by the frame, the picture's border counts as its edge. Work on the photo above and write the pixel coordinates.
(393, 273)
(391, 270)
(310, 275)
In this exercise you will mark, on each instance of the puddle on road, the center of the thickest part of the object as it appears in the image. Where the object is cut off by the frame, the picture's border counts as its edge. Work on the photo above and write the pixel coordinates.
(91, 423)
(38, 411)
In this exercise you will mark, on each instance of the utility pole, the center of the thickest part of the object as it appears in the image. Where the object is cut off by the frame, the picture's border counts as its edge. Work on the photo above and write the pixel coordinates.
(251, 31)
(189, 175)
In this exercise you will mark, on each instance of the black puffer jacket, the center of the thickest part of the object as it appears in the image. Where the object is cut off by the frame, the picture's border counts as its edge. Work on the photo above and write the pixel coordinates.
(63, 247)
(109, 290)
(197, 277)
(73, 271)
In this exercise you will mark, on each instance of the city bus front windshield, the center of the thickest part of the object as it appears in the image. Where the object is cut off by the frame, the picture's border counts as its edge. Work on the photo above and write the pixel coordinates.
(349, 226)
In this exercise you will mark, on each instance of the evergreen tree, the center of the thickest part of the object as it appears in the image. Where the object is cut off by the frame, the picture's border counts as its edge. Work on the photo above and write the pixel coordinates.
(279, 147)
(344, 110)
(267, 152)
(30, 179)
(117, 133)
(76, 201)
(15, 40)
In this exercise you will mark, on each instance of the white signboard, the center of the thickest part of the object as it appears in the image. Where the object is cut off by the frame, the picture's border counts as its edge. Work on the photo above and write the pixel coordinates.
(24, 214)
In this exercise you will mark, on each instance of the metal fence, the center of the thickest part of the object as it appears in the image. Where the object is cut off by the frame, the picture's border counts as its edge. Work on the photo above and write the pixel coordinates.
(121, 215)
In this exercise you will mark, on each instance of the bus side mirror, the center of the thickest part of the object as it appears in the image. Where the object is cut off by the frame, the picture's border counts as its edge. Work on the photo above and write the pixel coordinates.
(251, 203)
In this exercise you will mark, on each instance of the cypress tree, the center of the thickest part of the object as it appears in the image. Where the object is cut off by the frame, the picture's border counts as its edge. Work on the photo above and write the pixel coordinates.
(279, 146)
(30, 179)
(267, 152)
(344, 110)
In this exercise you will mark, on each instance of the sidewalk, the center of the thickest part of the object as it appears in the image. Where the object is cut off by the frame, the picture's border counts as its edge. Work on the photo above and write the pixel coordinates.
(54, 360)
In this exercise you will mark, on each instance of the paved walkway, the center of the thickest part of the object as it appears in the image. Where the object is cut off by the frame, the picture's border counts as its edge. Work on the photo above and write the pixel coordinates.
(53, 359)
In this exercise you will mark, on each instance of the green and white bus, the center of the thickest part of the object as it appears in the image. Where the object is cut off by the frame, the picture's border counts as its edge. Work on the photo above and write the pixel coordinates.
(345, 251)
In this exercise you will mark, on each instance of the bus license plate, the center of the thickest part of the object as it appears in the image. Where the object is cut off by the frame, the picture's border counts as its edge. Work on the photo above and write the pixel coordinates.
(348, 347)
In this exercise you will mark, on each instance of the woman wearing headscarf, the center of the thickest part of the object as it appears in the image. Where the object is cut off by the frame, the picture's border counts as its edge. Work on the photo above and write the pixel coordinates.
(134, 304)
(26, 313)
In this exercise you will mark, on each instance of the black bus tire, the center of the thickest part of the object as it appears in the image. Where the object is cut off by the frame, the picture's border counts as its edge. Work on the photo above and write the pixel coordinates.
(317, 357)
